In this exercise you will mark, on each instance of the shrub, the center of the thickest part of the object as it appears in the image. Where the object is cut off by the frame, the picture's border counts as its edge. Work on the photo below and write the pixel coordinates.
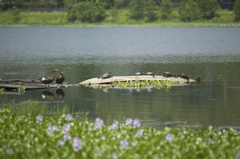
(15, 12)
(236, 10)
(151, 11)
(107, 4)
(72, 15)
(122, 3)
(137, 10)
(208, 8)
(166, 9)
(86, 12)
(188, 10)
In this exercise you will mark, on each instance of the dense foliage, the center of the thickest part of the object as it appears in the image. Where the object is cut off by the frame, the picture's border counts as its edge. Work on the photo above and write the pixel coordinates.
(208, 8)
(30, 132)
(95, 11)
(151, 11)
(166, 9)
(86, 12)
(236, 9)
(137, 10)
(15, 13)
(188, 10)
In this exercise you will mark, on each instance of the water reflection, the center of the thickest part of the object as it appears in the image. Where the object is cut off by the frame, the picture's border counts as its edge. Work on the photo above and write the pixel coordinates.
(130, 90)
(106, 90)
(60, 93)
(48, 95)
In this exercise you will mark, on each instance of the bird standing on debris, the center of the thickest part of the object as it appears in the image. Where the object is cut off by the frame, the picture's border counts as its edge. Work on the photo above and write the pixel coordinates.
(60, 79)
(48, 80)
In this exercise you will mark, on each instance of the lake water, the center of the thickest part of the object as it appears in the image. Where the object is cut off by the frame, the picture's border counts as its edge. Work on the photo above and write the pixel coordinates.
(212, 53)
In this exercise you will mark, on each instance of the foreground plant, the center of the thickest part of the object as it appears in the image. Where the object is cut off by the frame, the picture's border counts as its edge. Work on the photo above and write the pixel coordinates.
(67, 136)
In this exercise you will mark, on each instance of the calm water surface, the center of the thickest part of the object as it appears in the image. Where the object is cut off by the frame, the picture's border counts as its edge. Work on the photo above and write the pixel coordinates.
(82, 53)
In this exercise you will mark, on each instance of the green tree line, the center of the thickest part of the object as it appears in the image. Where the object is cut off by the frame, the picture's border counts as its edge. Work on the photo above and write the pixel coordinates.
(189, 10)
(92, 11)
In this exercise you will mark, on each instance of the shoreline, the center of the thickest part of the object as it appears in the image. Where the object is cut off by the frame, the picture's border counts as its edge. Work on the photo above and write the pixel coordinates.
(162, 25)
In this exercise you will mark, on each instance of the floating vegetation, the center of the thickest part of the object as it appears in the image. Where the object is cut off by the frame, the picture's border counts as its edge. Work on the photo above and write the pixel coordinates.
(38, 135)
(19, 90)
(1, 90)
(137, 84)
(146, 83)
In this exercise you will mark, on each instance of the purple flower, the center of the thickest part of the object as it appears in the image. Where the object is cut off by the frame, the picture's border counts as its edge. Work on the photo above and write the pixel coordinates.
(124, 144)
(136, 123)
(115, 125)
(77, 144)
(169, 137)
(39, 118)
(98, 123)
(61, 142)
(66, 128)
(139, 133)
(115, 156)
(52, 128)
(9, 150)
(67, 137)
(99, 120)
(69, 117)
(128, 121)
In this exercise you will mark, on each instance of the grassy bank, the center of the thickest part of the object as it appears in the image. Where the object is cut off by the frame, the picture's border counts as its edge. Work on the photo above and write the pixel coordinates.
(114, 18)
(34, 18)
(29, 131)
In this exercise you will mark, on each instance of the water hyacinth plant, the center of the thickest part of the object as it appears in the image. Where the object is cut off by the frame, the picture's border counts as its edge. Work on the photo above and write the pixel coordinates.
(115, 125)
(57, 137)
(39, 118)
(169, 137)
(52, 129)
(69, 117)
(145, 84)
(98, 123)
(77, 144)
(135, 84)
(124, 144)
(128, 121)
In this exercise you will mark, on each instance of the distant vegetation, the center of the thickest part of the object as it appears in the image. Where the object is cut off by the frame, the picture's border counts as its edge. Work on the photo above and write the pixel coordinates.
(115, 12)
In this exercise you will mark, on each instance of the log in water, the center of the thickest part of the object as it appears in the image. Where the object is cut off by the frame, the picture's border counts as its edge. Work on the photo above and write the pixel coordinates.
(133, 78)
(29, 84)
